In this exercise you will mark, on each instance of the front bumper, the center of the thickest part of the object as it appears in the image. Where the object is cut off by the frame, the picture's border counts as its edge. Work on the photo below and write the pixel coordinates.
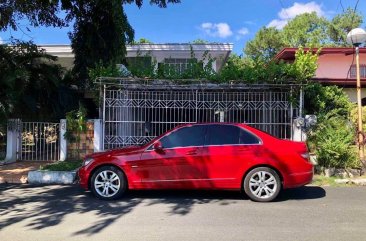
(83, 177)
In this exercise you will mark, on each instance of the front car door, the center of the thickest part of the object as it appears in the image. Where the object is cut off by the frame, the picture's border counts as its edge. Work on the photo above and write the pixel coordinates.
(177, 165)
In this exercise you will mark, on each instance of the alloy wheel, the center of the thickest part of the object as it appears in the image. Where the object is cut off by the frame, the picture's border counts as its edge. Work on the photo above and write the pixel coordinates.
(263, 184)
(107, 183)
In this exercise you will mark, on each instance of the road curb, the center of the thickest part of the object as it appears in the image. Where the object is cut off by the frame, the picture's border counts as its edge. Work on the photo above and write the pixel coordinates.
(354, 181)
(51, 177)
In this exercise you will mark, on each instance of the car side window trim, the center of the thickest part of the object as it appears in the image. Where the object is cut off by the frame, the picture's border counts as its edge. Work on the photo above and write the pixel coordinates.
(178, 147)
(260, 142)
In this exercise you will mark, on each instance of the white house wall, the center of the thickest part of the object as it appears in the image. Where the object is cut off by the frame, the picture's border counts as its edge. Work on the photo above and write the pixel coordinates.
(219, 52)
(352, 94)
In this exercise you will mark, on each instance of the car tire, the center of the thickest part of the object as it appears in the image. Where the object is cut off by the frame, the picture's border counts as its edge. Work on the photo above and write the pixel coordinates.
(262, 184)
(108, 183)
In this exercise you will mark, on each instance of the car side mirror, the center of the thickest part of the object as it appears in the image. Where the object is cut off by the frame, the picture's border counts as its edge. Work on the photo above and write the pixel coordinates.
(157, 146)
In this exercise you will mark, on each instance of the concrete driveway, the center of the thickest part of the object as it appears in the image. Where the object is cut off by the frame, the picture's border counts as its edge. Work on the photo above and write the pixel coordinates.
(69, 213)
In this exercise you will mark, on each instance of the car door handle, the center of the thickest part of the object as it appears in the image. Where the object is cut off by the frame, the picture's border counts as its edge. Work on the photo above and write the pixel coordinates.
(244, 150)
(192, 152)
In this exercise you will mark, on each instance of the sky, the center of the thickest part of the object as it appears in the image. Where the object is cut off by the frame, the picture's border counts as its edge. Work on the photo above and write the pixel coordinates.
(227, 21)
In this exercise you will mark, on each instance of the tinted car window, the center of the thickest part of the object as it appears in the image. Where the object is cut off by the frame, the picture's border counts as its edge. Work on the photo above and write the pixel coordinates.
(186, 136)
(229, 135)
(246, 137)
(222, 135)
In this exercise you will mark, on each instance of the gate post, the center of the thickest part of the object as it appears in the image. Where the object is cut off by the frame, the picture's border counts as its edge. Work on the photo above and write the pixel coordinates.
(12, 140)
(98, 135)
(63, 143)
(297, 132)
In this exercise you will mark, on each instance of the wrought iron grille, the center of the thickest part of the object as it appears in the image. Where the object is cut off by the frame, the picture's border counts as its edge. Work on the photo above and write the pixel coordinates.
(39, 141)
(2, 141)
(135, 116)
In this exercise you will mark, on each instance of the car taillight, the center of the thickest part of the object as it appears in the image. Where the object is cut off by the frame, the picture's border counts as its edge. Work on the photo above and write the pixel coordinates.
(306, 156)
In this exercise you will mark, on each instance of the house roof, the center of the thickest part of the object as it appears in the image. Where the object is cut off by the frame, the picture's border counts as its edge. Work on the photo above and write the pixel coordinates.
(63, 50)
(288, 54)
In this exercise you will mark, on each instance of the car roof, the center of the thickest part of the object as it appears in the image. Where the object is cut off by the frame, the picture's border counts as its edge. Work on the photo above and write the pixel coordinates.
(210, 123)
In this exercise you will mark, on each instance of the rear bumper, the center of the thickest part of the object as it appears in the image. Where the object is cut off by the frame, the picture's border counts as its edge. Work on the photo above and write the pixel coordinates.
(299, 179)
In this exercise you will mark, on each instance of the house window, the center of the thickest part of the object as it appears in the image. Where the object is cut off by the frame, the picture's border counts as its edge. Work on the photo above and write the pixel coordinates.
(362, 71)
(178, 66)
(138, 62)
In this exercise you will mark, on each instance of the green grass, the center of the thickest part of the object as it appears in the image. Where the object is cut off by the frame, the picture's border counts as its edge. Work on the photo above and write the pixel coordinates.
(62, 166)
(320, 180)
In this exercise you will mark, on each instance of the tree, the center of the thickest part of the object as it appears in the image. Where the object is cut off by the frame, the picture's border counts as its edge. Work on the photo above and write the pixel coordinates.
(31, 84)
(306, 30)
(266, 44)
(342, 24)
(101, 31)
(101, 28)
(200, 41)
(142, 41)
(37, 12)
(45, 12)
(304, 66)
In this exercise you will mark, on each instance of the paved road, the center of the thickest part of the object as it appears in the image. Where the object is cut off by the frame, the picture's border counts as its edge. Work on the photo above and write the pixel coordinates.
(69, 213)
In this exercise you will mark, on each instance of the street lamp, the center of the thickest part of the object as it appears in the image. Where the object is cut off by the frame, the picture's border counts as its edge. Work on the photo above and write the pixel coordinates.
(356, 37)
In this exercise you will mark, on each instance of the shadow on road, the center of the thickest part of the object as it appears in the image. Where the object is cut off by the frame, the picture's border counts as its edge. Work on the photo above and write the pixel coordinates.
(47, 206)
(301, 193)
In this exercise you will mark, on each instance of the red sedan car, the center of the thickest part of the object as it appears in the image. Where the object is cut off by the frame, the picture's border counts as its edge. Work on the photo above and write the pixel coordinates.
(201, 156)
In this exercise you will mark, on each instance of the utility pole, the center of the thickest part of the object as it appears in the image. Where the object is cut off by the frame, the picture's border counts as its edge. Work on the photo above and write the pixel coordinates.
(356, 37)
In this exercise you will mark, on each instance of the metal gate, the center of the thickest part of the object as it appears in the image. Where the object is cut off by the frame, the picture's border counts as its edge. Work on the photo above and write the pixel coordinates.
(39, 141)
(135, 114)
(2, 141)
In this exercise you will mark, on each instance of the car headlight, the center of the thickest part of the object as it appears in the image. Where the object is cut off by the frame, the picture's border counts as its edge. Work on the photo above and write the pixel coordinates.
(87, 161)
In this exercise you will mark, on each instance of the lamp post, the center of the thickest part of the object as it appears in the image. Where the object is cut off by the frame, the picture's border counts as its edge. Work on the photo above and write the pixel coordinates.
(356, 37)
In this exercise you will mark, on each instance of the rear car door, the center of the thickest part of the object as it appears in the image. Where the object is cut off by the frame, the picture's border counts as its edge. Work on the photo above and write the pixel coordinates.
(228, 150)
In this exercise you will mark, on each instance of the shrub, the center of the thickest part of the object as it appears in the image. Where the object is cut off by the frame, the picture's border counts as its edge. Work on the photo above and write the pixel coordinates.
(326, 100)
(333, 142)
(76, 124)
(354, 116)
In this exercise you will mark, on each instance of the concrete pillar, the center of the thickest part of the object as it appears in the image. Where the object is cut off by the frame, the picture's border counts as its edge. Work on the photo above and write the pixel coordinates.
(221, 115)
(98, 135)
(297, 132)
(13, 140)
(63, 142)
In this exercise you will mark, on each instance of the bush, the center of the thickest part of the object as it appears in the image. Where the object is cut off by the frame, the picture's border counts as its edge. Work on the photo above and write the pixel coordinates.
(69, 165)
(354, 116)
(333, 142)
(326, 100)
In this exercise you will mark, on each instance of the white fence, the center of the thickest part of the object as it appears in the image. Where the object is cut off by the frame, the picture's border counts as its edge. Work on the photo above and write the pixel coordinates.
(39, 141)
(42, 141)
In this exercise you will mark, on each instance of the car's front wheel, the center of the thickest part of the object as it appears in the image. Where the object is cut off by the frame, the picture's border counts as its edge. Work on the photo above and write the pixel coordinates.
(262, 184)
(108, 183)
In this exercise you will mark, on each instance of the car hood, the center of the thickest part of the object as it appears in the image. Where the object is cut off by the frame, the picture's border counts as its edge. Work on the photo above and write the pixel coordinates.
(118, 151)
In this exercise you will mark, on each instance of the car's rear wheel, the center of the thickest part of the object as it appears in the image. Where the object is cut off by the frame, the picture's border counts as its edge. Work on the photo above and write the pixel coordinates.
(262, 184)
(108, 183)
